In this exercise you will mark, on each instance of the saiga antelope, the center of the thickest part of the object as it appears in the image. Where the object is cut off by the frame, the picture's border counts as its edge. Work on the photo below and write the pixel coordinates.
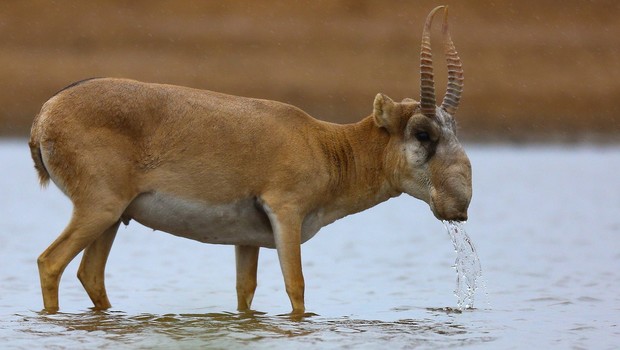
(232, 170)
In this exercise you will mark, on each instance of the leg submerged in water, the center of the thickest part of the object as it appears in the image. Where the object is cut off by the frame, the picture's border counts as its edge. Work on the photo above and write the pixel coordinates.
(247, 265)
(85, 227)
(91, 272)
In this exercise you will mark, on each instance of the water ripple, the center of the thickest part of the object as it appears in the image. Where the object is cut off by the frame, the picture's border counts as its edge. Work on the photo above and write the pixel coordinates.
(113, 329)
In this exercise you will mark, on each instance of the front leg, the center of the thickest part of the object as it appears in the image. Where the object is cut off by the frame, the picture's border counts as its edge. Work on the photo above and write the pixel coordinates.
(247, 264)
(286, 225)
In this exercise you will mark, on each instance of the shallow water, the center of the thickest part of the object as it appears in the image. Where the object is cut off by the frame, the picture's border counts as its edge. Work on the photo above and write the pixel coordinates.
(544, 221)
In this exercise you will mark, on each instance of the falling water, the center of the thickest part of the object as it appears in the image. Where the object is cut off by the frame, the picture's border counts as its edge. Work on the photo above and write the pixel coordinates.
(467, 265)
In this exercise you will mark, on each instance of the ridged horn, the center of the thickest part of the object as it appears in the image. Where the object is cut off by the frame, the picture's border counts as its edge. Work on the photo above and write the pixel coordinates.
(455, 71)
(427, 82)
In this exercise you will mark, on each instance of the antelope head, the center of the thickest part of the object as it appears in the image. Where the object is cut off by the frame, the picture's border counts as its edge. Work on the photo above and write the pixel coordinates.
(425, 156)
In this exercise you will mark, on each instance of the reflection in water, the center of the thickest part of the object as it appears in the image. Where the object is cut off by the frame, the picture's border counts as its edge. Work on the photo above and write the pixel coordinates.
(222, 330)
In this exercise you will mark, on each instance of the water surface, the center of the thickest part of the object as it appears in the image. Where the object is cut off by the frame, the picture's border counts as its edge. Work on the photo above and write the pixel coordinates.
(544, 221)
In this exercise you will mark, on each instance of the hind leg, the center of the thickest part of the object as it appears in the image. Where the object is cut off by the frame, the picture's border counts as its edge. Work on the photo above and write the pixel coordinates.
(92, 268)
(85, 227)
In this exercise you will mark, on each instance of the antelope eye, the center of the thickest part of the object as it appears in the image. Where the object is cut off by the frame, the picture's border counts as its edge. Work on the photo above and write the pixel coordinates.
(422, 136)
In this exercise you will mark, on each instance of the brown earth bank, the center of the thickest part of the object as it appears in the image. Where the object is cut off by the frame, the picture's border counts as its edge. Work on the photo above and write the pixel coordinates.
(534, 70)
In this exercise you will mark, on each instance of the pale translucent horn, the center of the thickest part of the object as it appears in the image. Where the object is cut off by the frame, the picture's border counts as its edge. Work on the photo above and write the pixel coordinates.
(427, 83)
(455, 71)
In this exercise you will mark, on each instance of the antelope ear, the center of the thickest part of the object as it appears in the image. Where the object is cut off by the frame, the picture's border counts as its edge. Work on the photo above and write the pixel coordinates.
(383, 113)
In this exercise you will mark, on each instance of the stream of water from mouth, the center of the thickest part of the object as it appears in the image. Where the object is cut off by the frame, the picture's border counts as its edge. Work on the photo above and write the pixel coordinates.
(467, 265)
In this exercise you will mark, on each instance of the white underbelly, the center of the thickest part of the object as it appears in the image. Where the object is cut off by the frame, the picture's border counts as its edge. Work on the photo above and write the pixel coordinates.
(243, 222)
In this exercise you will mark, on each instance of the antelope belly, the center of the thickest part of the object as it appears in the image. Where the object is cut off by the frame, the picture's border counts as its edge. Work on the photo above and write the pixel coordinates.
(243, 222)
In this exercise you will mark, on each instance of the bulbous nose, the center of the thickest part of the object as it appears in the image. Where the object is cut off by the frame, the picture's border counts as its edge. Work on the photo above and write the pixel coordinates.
(451, 189)
(451, 200)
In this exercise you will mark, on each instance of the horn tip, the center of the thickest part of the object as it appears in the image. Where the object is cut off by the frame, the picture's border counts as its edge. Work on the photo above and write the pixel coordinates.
(444, 27)
(433, 11)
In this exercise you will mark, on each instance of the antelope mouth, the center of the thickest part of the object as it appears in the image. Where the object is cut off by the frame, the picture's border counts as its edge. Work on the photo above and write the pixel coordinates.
(449, 214)
(450, 208)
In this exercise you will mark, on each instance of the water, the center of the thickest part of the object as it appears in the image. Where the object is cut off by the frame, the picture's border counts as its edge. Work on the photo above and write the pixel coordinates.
(544, 220)
(467, 265)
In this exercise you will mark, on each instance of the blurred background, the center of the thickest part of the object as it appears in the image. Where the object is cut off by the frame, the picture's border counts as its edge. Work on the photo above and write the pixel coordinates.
(543, 71)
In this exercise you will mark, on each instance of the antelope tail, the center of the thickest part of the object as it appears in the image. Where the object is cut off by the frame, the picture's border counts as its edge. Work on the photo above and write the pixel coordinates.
(37, 157)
